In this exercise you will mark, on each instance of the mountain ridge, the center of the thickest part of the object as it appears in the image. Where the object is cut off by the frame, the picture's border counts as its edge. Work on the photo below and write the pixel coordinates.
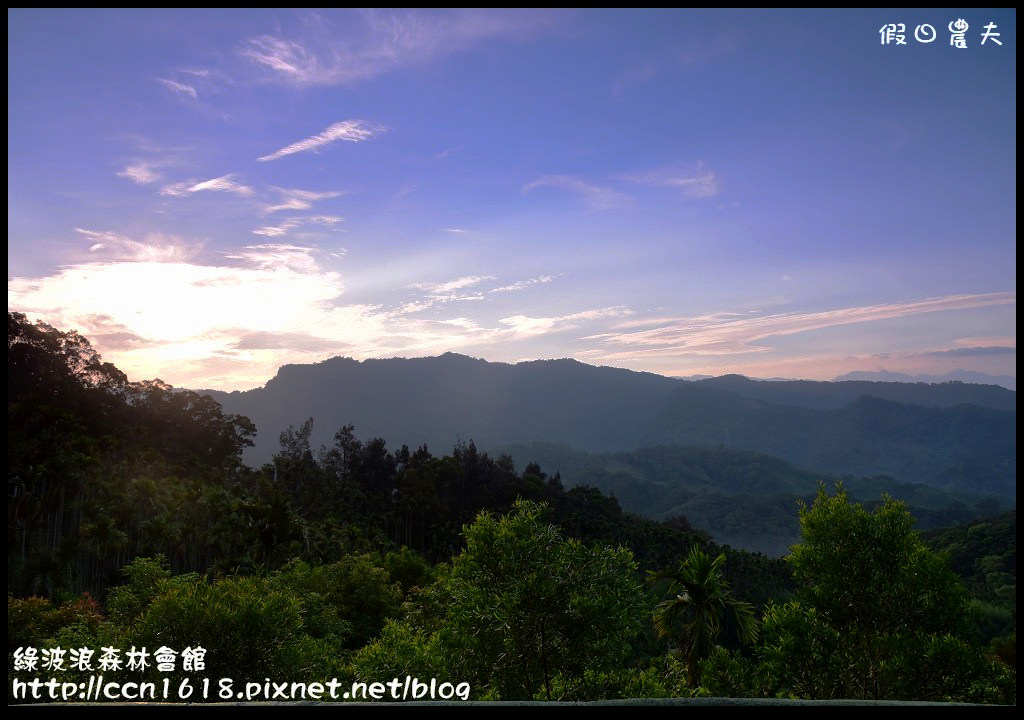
(742, 498)
(955, 376)
(955, 436)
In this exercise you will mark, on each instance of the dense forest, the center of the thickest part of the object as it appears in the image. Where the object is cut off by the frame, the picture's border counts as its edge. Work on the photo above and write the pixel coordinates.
(132, 521)
(742, 498)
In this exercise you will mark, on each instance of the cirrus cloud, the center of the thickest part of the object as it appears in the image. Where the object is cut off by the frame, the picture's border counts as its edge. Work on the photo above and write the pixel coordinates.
(594, 196)
(346, 48)
(348, 130)
(737, 334)
(696, 183)
(225, 183)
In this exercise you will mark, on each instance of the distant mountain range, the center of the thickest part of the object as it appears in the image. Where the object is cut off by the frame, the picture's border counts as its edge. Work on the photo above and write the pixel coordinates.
(964, 376)
(955, 436)
(744, 499)
(955, 447)
(440, 400)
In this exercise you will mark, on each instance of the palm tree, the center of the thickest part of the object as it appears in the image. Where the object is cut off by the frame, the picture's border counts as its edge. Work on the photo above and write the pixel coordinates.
(699, 598)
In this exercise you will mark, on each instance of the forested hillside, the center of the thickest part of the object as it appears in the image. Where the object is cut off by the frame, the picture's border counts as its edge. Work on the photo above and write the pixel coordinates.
(132, 521)
(984, 554)
(102, 470)
(959, 448)
(744, 499)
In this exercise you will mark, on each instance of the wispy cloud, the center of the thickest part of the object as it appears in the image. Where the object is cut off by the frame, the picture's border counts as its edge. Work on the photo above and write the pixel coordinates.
(141, 173)
(989, 341)
(274, 230)
(202, 89)
(349, 130)
(525, 325)
(457, 231)
(697, 183)
(452, 285)
(277, 256)
(523, 284)
(732, 333)
(594, 196)
(335, 50)
(179, 88)
(148, 162)
(111, 334)
(974, 351)
(225, 183)
(289, 224)
(237, 317)
(295, 199)
(300, 341)
(290, 59)
(442, 293)
(154, 248)
(692, 52)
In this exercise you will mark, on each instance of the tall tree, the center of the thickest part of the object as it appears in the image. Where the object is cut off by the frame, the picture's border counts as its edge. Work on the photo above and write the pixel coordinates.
(877, 616)
(699, 602)
(519, 607)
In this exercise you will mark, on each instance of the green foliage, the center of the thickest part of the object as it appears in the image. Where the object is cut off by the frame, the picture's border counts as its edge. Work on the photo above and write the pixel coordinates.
(984, 553)
(1006, 649)
(520, 605)
(944, 667)
(991, 620)
(32, 620)
(877, 615)
(800, 655)
(29, 620)
(407, 568)
(526, 603)
(35, 623)
(146, 578)
(101, 470)
(871, 573)
(349, 599)
(611, 685)
(699, 600)
(249, 629)
(726, 673)
(399, 650)
(300, 620)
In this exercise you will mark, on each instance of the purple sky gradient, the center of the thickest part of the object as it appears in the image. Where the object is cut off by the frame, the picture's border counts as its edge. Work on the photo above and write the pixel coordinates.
(208, 195)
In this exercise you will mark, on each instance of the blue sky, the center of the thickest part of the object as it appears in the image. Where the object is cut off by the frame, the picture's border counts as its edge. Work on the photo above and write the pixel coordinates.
(208, 195)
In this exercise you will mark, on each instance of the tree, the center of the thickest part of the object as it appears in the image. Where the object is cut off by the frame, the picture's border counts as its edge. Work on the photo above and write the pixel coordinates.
(700, 600)
(533, 604)
(878, 615)
(350, 599)
(520, 607)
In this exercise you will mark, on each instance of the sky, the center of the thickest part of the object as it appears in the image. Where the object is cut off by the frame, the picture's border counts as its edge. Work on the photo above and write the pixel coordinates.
(209, 195)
